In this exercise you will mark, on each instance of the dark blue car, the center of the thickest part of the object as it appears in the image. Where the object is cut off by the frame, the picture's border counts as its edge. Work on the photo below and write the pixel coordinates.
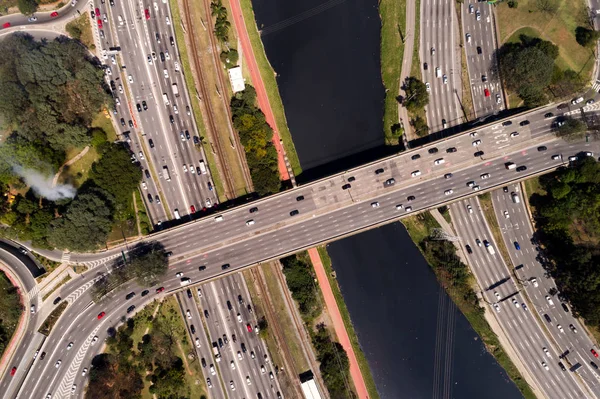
(517, 246)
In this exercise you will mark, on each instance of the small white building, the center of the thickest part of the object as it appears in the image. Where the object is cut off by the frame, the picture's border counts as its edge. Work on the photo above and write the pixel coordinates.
(236, 79)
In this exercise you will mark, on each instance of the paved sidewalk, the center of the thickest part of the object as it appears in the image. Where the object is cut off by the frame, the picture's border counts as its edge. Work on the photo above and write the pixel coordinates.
(338, 323)
(409, 43)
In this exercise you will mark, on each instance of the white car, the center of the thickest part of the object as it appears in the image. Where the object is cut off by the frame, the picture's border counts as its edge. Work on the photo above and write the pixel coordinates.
(32, 309)
(208, 383)
(184, 168)
(506, 215)
(84, 371)
(514, 134)
(176, 66)
(168, 21)
(497, 307)
(448, 192)
(130, 79)
(144, 185)
(179, 274)
(262, 369)
(192, 169)
(476, 143)
(416, 173)
(249, 223)
(155, 6)
(375, 204)
(399, 207)
(445, 79)
(476, 188)
(547, 352)
(439, 161)
(232, 365)
(239, 317)
(167, 56)
(94, 340)
(473, 134)
(70, 345)
(141, 154)
(560, 328)
(189, 315)
(121, 89)
(549, 300)
(469, 208)
(572, 327)
(497, 295)
(239, 354)
(534, 282)
(544, 365)
(166, 73)
(514, 301)
(113, 59)
(175, 109)
(478, 15)
(408, 209)
(485, 176)
(232, 385)
(150, 59)
(248, 380)
(73, 388)
(577, 100)
(252, 354)
(271, 376)
(427, 86)
(212, 369)
(58, 362)
(197, 342)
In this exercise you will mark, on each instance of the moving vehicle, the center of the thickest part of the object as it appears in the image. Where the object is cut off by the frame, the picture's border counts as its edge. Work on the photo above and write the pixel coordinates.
(202, 167)
(490, 248)
(166, 174)
(175, 89)
(166, 99)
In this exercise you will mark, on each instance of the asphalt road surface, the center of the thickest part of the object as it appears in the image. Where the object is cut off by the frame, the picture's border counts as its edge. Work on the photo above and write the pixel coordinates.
(481, 52)
(505, 299)
(531, 278)
(439, 49)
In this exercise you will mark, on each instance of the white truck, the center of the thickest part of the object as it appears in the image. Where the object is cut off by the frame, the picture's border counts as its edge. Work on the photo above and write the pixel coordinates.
(166, 99)
(175, 90)
(202, 167)
(490, 248)
(166, 174)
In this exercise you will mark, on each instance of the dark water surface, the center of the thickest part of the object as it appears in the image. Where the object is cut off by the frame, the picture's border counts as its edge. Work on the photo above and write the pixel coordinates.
(417, 343)
(326, 54)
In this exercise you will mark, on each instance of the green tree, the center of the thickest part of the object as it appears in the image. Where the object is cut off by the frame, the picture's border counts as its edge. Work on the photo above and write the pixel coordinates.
(147, 263)
(548, 6)
(420, 125)
(416, 96)
(513, 3)
(525, 67)
(27, 7)
(572, 129)
(85, 225)
(586, 37)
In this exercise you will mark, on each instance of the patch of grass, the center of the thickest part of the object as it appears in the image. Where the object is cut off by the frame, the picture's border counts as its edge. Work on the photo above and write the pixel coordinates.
(528, 31)
(466, 98)
(533, 187)
(52, 318)
(360, 356)
(393, 21)
(286, 324)
(10, 310)
(268, 76)
(559, 28)
(48, 264)
(57, 286)
(488, 210)
(104, 123)
(464, 297)
(83, 27)
(415, 67)
(195, 105)
(145, 224)
(77, 173)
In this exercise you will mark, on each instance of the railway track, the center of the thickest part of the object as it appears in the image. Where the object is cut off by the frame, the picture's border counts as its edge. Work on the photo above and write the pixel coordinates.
(228, 183)
(223, 89)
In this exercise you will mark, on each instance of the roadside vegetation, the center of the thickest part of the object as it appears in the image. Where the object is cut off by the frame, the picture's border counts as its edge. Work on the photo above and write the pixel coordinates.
(80, 29)
(560, 22)
(52, 318)
(334, 364)
(10, 311)
(528, 68)
(393, 21)
(146, 264)
(568, 223)
(146, 358)
(572, 129)
(52, 93)
(256, 136)
(458, 282)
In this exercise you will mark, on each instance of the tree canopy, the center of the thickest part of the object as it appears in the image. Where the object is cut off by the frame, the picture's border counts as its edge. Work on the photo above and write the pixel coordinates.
(572, 129)
(416, 96)
(256, 135)
(568, 222)
(586, 37)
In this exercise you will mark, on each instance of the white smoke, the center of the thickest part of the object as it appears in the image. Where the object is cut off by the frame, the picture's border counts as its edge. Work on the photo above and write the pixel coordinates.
(43, 186)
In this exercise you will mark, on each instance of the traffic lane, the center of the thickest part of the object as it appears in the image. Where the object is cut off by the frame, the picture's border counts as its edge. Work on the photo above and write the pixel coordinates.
(64, 13)
(579, 341)
(520, 327)
(21, 264)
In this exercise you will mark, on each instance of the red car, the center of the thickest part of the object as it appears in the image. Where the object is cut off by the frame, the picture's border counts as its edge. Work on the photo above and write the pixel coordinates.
(101, 315)
(161, 289)
(192, 209)
(99, 23)
(13, 371)
(486, 92)
(147, 13)
(594, 353)
(97, 11)
(6, 25)
(249, 327)
(54, 14)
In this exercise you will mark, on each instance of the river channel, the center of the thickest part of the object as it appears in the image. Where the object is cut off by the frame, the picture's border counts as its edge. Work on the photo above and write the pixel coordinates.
(418, 345)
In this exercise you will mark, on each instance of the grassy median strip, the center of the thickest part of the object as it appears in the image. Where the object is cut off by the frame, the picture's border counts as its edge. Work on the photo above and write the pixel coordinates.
(459, 282)
(52, 318)
(57, 286)
(145, 224)
(195, 105)
(415, 67)
(360, 356)
(393, 22)
(268, 76)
